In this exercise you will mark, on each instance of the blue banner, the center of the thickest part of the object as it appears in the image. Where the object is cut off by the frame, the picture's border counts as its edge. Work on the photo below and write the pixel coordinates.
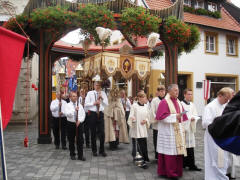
(72, 83)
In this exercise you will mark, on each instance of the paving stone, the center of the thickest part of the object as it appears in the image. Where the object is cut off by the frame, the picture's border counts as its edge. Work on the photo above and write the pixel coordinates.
(44, 162)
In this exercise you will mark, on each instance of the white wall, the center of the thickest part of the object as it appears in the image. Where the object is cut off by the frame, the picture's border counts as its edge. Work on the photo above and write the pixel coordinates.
(199, 63)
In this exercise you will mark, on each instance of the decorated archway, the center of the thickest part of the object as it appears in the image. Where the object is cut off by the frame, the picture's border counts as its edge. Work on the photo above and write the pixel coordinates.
(45, 21)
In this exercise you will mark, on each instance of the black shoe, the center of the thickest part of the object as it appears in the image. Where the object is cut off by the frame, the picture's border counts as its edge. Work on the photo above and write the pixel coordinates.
(230, 177)
(94, 154)
(144, 166)
(82, 158)
(57, 147)
(195, 169)
(174, 178)
(113, 148)
(162, 176)
(103, 154)
(73, 158)
(64, 147)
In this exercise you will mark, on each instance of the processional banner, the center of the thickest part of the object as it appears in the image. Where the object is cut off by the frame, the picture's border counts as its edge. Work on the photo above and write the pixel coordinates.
(11, 52)
(111, 64)
(142, 67)
(126, 66)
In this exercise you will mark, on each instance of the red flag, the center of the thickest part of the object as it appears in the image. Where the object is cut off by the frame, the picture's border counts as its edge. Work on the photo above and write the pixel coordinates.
(206, 88)
(11, 52)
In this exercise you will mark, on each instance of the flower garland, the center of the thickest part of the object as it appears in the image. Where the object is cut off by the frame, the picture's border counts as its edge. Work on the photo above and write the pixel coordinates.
(51, 18)
(133, 22)
(138, 21)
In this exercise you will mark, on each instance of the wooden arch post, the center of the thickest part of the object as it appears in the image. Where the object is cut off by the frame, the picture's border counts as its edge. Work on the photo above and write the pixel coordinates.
(171, 63)
(45, 86)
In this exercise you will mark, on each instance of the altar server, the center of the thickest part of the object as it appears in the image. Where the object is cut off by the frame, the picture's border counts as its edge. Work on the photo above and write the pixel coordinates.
(190, 130)
(216, 159)
(154, 106)
(139, 122)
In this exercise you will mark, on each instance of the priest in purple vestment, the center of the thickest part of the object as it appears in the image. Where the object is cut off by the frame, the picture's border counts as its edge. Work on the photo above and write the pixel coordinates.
(171, 140)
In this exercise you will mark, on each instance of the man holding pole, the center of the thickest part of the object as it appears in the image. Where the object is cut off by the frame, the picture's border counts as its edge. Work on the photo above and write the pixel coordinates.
(75, 116)
(59, 121)
(95, 101)
(86, 123)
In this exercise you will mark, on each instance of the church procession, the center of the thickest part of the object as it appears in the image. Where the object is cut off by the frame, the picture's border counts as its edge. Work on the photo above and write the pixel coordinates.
(119, 89)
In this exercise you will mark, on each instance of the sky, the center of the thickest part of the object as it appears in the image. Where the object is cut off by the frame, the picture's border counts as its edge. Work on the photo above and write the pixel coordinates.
(236, 2)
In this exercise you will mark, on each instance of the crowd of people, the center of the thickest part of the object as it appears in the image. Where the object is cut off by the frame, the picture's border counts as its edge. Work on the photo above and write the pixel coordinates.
(117, 118)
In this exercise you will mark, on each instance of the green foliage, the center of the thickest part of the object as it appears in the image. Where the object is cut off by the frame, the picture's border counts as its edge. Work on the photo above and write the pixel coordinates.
(156, 55)
(92, 16)
(193, 40)
(201, 11)
(12, 25)
(185, 36)
(175, 31)
(53, 18)
(138, 21)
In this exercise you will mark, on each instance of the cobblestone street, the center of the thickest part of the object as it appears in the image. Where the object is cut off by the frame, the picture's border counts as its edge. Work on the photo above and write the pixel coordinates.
(44, 162)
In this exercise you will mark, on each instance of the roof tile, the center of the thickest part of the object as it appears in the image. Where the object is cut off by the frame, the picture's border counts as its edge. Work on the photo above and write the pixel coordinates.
(225, 22)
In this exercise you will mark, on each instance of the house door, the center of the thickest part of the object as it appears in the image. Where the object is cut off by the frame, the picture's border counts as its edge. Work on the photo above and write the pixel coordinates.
(182, 84)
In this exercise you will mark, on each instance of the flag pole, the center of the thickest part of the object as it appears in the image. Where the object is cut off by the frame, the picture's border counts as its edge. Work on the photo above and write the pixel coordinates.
(3, 161)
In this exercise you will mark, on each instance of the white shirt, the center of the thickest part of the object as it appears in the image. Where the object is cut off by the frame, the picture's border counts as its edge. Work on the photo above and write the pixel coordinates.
(92, 97)
(128, 103)
(54, 107)
(154, 107)
(80, 102)
(70, 112)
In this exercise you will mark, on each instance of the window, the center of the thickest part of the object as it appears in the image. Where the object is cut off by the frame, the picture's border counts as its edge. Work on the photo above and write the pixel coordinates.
(218, 81)
(199, 4)
(212, 7)
(232, 46)
(211, 42)
(187, 2)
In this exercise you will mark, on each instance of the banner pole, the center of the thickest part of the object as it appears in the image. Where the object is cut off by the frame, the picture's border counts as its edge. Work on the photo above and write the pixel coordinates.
(3, 161)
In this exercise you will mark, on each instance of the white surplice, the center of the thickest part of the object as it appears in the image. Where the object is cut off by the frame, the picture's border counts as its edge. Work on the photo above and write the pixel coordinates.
(233, 162)
(154, 107)
(189, 125)
(137, 114)
(216, 159)
(166, 143)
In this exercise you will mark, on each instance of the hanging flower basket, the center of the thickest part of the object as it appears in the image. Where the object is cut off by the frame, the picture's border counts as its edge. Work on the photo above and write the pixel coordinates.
(138, 21)
(175, 31)
(92, 16)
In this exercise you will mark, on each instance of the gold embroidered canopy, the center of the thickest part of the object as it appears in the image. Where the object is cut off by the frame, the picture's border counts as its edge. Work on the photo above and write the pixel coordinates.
(109, 64)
